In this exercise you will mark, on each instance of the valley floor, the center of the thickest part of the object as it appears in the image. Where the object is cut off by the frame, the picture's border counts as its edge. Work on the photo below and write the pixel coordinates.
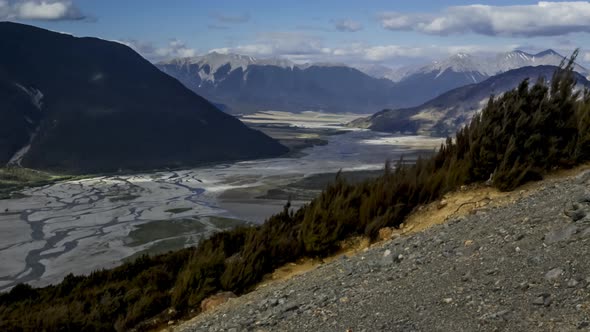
(516, 262)
(84, 224)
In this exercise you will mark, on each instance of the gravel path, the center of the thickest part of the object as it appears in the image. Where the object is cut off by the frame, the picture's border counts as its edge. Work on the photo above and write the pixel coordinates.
(520, 267)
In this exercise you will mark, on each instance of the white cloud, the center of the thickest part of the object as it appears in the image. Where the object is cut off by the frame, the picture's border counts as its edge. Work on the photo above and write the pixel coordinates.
(47, 10)
(541, 19)
(174, 49)
(587, 57)
(347, 25)
(302, 48)
(288, 44)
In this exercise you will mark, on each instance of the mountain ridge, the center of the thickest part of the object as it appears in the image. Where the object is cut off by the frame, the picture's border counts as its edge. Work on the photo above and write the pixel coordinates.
(91, 93)
(484, 65)
(446, 113)
(248, 85)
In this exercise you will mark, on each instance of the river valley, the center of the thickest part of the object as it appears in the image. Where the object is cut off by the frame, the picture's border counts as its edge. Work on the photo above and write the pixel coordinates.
(82, 225)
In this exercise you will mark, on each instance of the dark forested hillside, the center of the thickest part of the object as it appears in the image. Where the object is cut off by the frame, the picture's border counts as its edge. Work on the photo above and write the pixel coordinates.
(102, 107)
(518, 137)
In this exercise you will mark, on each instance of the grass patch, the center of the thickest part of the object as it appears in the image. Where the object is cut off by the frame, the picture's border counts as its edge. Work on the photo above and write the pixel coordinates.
(13, 179)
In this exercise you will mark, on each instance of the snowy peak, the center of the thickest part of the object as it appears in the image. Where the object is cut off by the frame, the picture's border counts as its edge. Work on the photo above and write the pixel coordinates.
(214, 66)
(548, 52)
(460, 62)
(215, 60)
(490, 66)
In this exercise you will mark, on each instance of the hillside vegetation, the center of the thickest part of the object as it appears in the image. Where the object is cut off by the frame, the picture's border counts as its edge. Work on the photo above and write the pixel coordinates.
(518, 137)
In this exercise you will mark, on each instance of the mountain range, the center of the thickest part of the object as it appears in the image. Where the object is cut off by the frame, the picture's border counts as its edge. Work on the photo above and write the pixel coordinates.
(88, 105)
(415, 85)
(485, 66)
(244, 84)
(443, 115)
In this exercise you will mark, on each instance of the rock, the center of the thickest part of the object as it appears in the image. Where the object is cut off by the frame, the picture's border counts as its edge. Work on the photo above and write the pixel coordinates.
(553, 274)
(289, 307)
(500, 314)
(583, 177)
(562, 234)
(583, 324)
(572, 283)
(543, 299)
(442, 204)
(576, 215)
(535, 260)
(583, 198)
(548, 301)
(386, 260)
(386, 253)
(447, 300)
(466, 277)
(216, 300)
(468, 243)
(539, 300)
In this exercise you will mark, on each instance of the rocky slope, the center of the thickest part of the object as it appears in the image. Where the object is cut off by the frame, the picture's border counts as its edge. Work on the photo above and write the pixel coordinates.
(504, 267)
(87, 105)
(446, 113)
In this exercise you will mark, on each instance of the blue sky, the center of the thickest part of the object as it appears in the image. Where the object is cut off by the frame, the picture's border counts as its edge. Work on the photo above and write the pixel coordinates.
(350, 31)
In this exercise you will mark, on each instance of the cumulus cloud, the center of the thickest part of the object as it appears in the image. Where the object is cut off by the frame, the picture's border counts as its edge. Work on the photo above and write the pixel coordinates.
(347, 25)
(47, 10)
(232, 18)
(301, 47)
(174, 49)
(381, 53)
(541, 19)
(279, 44)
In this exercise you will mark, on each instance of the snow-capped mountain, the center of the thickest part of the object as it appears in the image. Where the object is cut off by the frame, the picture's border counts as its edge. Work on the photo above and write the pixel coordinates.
(244, 84)
(478, 66)
(426, 82)
(209, 64)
